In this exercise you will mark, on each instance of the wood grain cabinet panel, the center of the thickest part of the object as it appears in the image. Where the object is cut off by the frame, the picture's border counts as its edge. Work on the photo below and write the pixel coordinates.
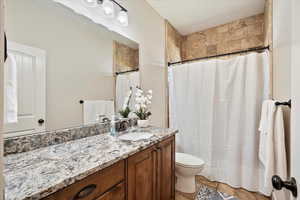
(94, 185)
(141, 175)
(166, 169)
(116, 193)
(151, 173)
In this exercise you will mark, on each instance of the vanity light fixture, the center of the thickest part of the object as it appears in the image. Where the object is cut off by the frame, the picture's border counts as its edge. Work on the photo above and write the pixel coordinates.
(90, 3)
(123, 18)
(109, 9)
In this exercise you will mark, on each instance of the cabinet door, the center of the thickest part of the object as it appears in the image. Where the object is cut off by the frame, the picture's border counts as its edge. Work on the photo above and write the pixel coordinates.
(166, 169)
(116, 193)
(141, 177)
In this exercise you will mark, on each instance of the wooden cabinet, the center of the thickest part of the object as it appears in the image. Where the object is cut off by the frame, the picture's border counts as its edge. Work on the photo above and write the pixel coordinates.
(141, 175)
(151, 173)
(166, 169)
(116, 193)
(146, 175)
(93, 186)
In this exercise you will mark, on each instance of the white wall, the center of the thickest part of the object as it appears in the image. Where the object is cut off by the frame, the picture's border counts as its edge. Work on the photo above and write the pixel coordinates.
(79, 56)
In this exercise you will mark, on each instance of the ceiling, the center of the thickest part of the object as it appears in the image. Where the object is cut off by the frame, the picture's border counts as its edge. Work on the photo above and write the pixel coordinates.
(189, 16)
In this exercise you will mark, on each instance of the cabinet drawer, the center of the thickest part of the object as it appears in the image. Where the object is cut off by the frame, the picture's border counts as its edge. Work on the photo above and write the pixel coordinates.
(116, 193)
(94, 185)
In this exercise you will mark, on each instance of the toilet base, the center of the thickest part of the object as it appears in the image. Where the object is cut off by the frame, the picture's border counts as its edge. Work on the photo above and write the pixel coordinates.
(185, 184)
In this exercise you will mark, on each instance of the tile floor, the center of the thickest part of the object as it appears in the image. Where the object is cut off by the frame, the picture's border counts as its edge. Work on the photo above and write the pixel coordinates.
(208, 190)
(207, 193)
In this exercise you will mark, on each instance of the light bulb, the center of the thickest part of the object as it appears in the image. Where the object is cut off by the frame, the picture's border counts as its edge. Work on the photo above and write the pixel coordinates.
(108, 7)
(123, 18)
(90, 3)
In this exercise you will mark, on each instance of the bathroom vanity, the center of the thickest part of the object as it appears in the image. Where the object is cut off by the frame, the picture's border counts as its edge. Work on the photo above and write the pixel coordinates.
(146, 175)
(99, 167)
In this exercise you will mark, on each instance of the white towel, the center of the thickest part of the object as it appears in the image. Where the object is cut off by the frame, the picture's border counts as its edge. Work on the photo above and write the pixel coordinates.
(10, 88)
(272, 149)
(124, 82)
(92, 110)
(280, 160)
(265, 126)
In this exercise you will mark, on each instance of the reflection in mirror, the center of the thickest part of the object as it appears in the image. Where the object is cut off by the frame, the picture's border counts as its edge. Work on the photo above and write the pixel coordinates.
(126, 57)
(126, 65)
(57, 59)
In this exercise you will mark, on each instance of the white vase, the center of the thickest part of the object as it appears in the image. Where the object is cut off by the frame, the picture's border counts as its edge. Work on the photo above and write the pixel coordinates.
(143, 123)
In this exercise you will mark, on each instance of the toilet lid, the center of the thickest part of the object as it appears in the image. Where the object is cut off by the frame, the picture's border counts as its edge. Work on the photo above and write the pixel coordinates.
(187, 160)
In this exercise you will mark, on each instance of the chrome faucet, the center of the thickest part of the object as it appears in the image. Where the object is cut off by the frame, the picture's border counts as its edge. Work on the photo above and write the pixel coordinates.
(103, 119)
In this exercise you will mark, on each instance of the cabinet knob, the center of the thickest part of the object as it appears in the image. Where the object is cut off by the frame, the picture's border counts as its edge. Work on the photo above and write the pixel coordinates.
(41, 121)
(291, 184)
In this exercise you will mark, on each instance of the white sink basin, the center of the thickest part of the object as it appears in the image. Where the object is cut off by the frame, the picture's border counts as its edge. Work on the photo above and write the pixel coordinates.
(136, 136)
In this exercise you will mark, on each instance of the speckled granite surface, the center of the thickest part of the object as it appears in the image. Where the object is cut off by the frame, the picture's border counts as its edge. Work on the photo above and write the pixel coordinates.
(30, 142)
(36, 174)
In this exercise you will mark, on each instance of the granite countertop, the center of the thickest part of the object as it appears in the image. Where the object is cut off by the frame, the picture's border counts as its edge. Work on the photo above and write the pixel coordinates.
(36, 174)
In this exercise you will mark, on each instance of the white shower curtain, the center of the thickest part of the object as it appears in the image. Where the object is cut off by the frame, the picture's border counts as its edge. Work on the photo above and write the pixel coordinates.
(216, 106)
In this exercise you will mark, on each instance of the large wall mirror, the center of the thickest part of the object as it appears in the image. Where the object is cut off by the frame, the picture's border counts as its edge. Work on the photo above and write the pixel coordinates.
(63, 70)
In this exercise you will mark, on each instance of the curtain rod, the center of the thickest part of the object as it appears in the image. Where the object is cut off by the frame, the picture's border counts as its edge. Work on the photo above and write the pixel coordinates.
(135, 70)
(221, 55)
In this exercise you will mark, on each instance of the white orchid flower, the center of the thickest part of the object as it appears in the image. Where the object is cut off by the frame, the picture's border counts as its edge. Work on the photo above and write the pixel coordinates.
(143, 101)
(137, 106)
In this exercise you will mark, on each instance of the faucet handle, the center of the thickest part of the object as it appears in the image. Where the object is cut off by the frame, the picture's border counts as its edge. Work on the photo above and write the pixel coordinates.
(124, 125)
(106, 119)
(103, 118)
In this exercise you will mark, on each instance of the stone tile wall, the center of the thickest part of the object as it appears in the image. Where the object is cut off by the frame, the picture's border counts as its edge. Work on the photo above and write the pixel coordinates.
(126, 58)
(268, 25)
(173, 45)
(235, 36)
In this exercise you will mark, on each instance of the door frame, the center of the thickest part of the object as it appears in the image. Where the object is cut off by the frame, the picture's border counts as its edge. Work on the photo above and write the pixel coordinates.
(40, 95)
(2, 14)
(295, 81)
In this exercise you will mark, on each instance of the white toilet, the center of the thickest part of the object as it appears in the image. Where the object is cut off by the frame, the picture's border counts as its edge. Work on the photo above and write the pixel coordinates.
(186, 168)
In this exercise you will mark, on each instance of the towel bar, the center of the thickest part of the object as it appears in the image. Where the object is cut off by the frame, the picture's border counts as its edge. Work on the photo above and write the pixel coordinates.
(288, 103)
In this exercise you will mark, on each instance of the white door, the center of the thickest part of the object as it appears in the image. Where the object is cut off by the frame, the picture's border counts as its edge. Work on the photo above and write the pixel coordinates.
(295, 119)
(31, 69)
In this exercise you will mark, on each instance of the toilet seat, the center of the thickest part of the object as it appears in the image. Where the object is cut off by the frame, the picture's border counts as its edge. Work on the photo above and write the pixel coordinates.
(188, 161)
